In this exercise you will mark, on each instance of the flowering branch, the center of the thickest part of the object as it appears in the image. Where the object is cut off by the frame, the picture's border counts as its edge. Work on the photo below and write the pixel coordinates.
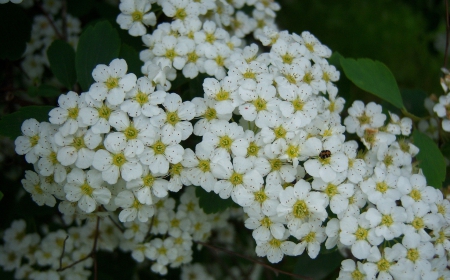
(275, 270)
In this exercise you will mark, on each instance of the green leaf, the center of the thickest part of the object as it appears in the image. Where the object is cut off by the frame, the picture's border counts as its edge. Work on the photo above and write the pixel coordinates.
(61, 56)
(317, 268)
(44, 91)
(211, 202)
(15, 31)
(10, 124)
(98, 44)
(430, 159)
(131, 56)
(414, 100)
(374, 77)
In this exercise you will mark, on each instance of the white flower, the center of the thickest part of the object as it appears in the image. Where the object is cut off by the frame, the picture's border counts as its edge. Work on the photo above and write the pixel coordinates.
(135, 15)
(311, 235)
(358, 233)
(171, 51)
(264, 227)
(224, 92)
(176, 116)
(86, 188)
(226, 136)
(275, 248)
(132, 208)
(180, 10)
(388, 218)
(67, 114)
(241, 175)
(204, 108)
(114, 163)
(143, 99)
(263, 198)
(39, 194)
(337, 192)
(164, 149)
(327, 164)
(381, 186)
(96, 115)
(259, 102)
(78, 148)
(162, 251)
(147, 185)
(362, 117)
(27, 144)
(299, 204)
(415, 190)
(111, 82)
(351, 271)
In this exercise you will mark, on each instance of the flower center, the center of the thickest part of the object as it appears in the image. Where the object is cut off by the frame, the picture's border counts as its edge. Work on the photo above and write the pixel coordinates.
(172, 118)
(53, 158)
(266, 222)
(279, 132)
(73, 112)
(159, 147)
(141, 98)
(192, 57)
(176, 169)
(310, 47)
(310, 237)
(222, 95)
(364, 119)
(34, 140)
(148, 180)
(210, 38)
(210, 114)
(418, 223)
(308, 78)
(38, 189)
(383, 265)
(260, 104)
(180, 14)
(131, 132)
(326, 77)
(361, 233)
(225, 142)
(86, 189)
(275, 164)
(119, 160)
(415, 194)
(413, 255)
(298, 104)
(249, 75)
(275, 243)
(287, 58)
(112, 82)
(204, 165)
(387, 220)
(236, 179)
(252, 149)
(382, 187)
(292, 79)
(104, 112)
(220, 61)
(171, 54)
(260, 196)
(78, 143)
(331, 190)
(300, 209)
(137, 16)
(293, 151)
(357, 275)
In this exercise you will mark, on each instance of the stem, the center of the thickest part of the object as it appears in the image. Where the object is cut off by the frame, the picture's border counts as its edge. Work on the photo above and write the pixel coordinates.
(62, 252)
(409, 115)
(50, 20)
(92, 254)
(275, 270)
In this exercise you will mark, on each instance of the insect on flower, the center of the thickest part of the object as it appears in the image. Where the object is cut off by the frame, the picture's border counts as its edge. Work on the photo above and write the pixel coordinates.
(325, 154)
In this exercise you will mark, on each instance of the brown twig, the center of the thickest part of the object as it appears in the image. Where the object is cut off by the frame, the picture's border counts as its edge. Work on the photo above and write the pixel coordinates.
(62, 252)
(92, 254)
(50, 20)
(275, 270)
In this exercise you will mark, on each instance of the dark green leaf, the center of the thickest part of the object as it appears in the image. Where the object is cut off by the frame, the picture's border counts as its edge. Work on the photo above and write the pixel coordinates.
(318, 268)
(131, 56)
(374, 77)
(335, 59)
(430, 159)
(61, 56)
(79, 8)
(1, 195)
(10, 124)
(15, 31)
(414, 100)
(44, 91)
(98, 44)
(211, 202)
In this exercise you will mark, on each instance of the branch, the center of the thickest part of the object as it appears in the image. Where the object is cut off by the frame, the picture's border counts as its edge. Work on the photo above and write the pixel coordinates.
(52, 23)
(92, 254)
(275, 270)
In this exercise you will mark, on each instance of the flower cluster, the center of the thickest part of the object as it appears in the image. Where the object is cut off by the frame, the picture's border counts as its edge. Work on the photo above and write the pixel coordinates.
(272, 140)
